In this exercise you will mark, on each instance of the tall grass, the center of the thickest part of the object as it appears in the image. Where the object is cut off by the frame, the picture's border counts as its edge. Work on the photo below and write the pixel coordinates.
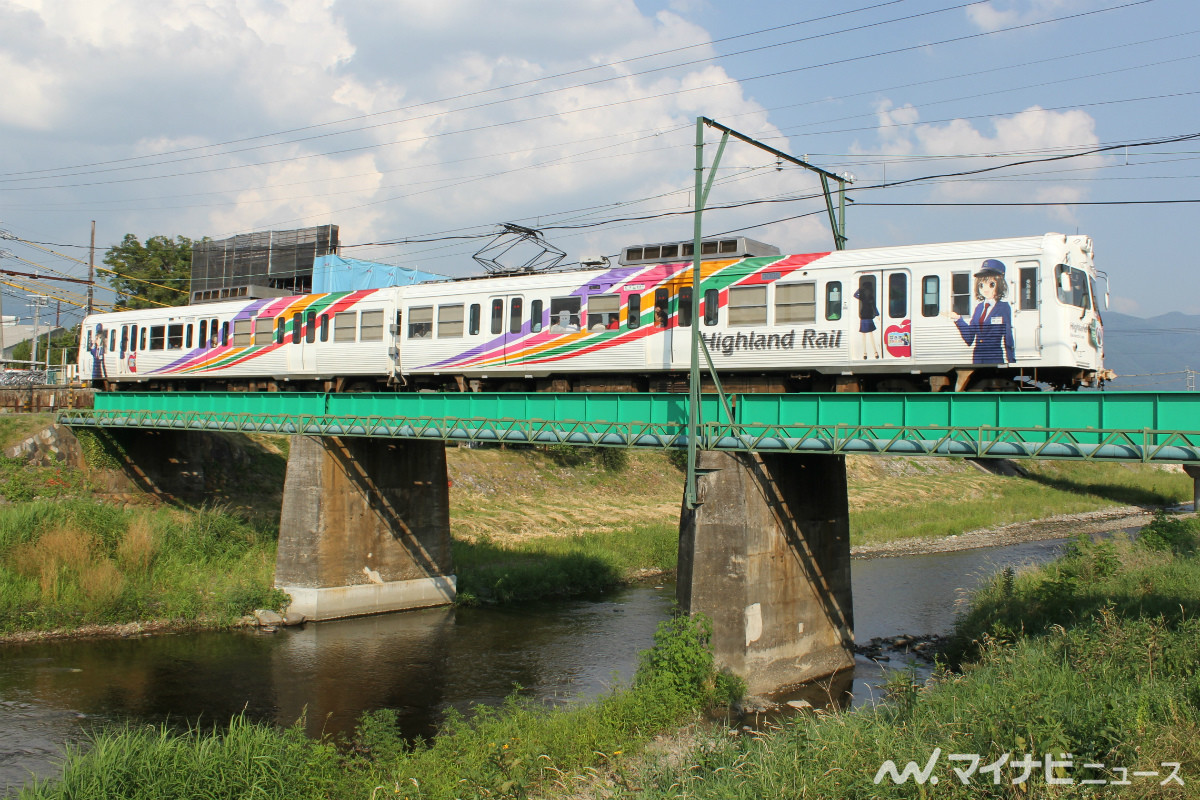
(79, 562)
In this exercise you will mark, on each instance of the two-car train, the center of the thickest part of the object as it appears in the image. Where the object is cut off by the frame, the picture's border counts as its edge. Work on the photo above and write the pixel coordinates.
(993, 314)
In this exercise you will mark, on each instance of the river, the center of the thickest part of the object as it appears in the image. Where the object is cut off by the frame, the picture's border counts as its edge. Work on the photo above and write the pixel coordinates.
(420, 662)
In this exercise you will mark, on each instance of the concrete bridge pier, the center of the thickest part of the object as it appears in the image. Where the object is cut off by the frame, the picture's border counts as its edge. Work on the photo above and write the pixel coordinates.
(766, 555)
(1193, 472)
(365, 527)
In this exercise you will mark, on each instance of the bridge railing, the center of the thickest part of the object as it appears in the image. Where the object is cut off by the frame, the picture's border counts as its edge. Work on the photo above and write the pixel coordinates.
(1112, 426)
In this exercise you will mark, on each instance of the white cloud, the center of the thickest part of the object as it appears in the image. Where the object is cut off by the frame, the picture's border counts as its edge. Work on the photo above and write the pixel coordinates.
(1005, 13)
(1032, 134)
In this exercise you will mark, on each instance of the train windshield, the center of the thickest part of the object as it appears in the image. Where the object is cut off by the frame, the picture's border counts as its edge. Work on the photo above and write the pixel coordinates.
(1072, 286)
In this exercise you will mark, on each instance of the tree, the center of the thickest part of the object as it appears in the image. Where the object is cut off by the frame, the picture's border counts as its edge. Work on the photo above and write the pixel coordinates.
(157, 273)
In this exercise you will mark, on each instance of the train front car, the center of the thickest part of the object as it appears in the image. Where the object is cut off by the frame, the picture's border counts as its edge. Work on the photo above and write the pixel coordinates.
(997, 314)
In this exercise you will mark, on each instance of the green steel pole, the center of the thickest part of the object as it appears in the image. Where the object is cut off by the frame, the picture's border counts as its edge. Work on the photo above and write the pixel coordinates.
(689, 494)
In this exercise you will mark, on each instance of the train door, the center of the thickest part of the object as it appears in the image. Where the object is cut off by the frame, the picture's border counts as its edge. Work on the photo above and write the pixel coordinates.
(506, 317)
(884, 322)
(660, 343)
(300, 342)
(1027, 311)
(897, 310)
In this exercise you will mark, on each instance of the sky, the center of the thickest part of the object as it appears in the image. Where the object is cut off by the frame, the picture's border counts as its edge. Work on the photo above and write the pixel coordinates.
(419, 127)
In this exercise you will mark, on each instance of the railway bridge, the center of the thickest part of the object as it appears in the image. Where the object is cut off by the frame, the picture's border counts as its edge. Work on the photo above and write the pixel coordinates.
(764, 546)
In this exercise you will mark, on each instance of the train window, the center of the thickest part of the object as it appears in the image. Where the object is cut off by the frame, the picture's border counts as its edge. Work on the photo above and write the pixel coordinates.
(497, 315)
(124, 339)
(450, 322)
(931, 296)
(897, 295)
(143, 345)
(90, 343)
(796, 303)
(243, 332)
(310, 327)
(370, 326)
(345, 326)
(662, 313)
(747, 305)
(833, 300)
(204, 333)
(960, 293)
(712, 305)
(708, 248)
(212, 331)
(1028, 299)
(297, 327)
(420, 322)
(224, 333)
(280, 328)
(515, 313)
(688, 248)
(651, 252)
(158, 337)
(685, 306)
(324, 327)
(187, 337)
(473, 327)
(535, 316)
(670, 251)
(564, 314)
(729, 246)
(633, 314)
(1075, 291)
(633, 254)
(112, 339)
(603, 312)
(175, 337)
(264, 330)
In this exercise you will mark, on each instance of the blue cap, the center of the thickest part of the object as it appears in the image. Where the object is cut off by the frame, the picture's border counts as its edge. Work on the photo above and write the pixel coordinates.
(991, 266)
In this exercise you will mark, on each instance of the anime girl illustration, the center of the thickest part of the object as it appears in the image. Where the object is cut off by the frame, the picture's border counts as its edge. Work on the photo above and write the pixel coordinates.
(990, 326)
(867, 312)
(98, 349)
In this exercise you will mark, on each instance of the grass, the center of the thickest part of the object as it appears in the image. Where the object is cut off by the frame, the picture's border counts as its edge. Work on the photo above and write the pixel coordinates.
(560, 566)
(927, 506)
(79, 562)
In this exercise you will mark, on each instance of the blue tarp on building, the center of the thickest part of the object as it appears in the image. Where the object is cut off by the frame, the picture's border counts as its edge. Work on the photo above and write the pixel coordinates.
(337, 274)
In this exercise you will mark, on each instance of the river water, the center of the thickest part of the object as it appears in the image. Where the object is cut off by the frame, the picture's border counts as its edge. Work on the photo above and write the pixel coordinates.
(420, 662)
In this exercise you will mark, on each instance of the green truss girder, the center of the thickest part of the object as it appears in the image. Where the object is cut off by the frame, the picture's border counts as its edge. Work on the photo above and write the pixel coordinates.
(1113, 426)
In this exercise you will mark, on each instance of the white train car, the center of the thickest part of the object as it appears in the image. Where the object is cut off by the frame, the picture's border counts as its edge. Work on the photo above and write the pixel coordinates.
(992, 314)
(319, 341)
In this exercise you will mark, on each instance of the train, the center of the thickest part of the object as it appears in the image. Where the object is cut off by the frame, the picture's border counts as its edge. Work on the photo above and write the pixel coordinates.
(995, 314)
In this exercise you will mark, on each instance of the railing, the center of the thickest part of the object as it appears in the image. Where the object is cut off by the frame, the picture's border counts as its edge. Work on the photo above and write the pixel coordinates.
(1116, 426)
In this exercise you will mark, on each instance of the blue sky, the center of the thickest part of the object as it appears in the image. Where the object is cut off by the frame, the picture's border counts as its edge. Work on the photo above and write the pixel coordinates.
(408, 123)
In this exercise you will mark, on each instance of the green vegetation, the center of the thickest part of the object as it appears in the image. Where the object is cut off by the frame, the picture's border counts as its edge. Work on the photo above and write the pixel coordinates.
(560, 566)
(519, 749)
(157, 273)
(78, 562)
(951, 502)
(1096, 655)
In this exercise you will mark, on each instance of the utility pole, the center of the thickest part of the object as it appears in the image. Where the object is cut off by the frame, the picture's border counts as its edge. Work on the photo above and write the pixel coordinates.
(37, 301)
(91, 267)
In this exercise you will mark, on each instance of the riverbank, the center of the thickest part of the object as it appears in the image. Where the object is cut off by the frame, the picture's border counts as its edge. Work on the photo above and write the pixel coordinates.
(527, 523)
(1095, 655)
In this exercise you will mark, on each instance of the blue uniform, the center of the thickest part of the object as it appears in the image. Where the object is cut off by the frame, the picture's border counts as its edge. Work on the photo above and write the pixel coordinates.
(991, 333)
